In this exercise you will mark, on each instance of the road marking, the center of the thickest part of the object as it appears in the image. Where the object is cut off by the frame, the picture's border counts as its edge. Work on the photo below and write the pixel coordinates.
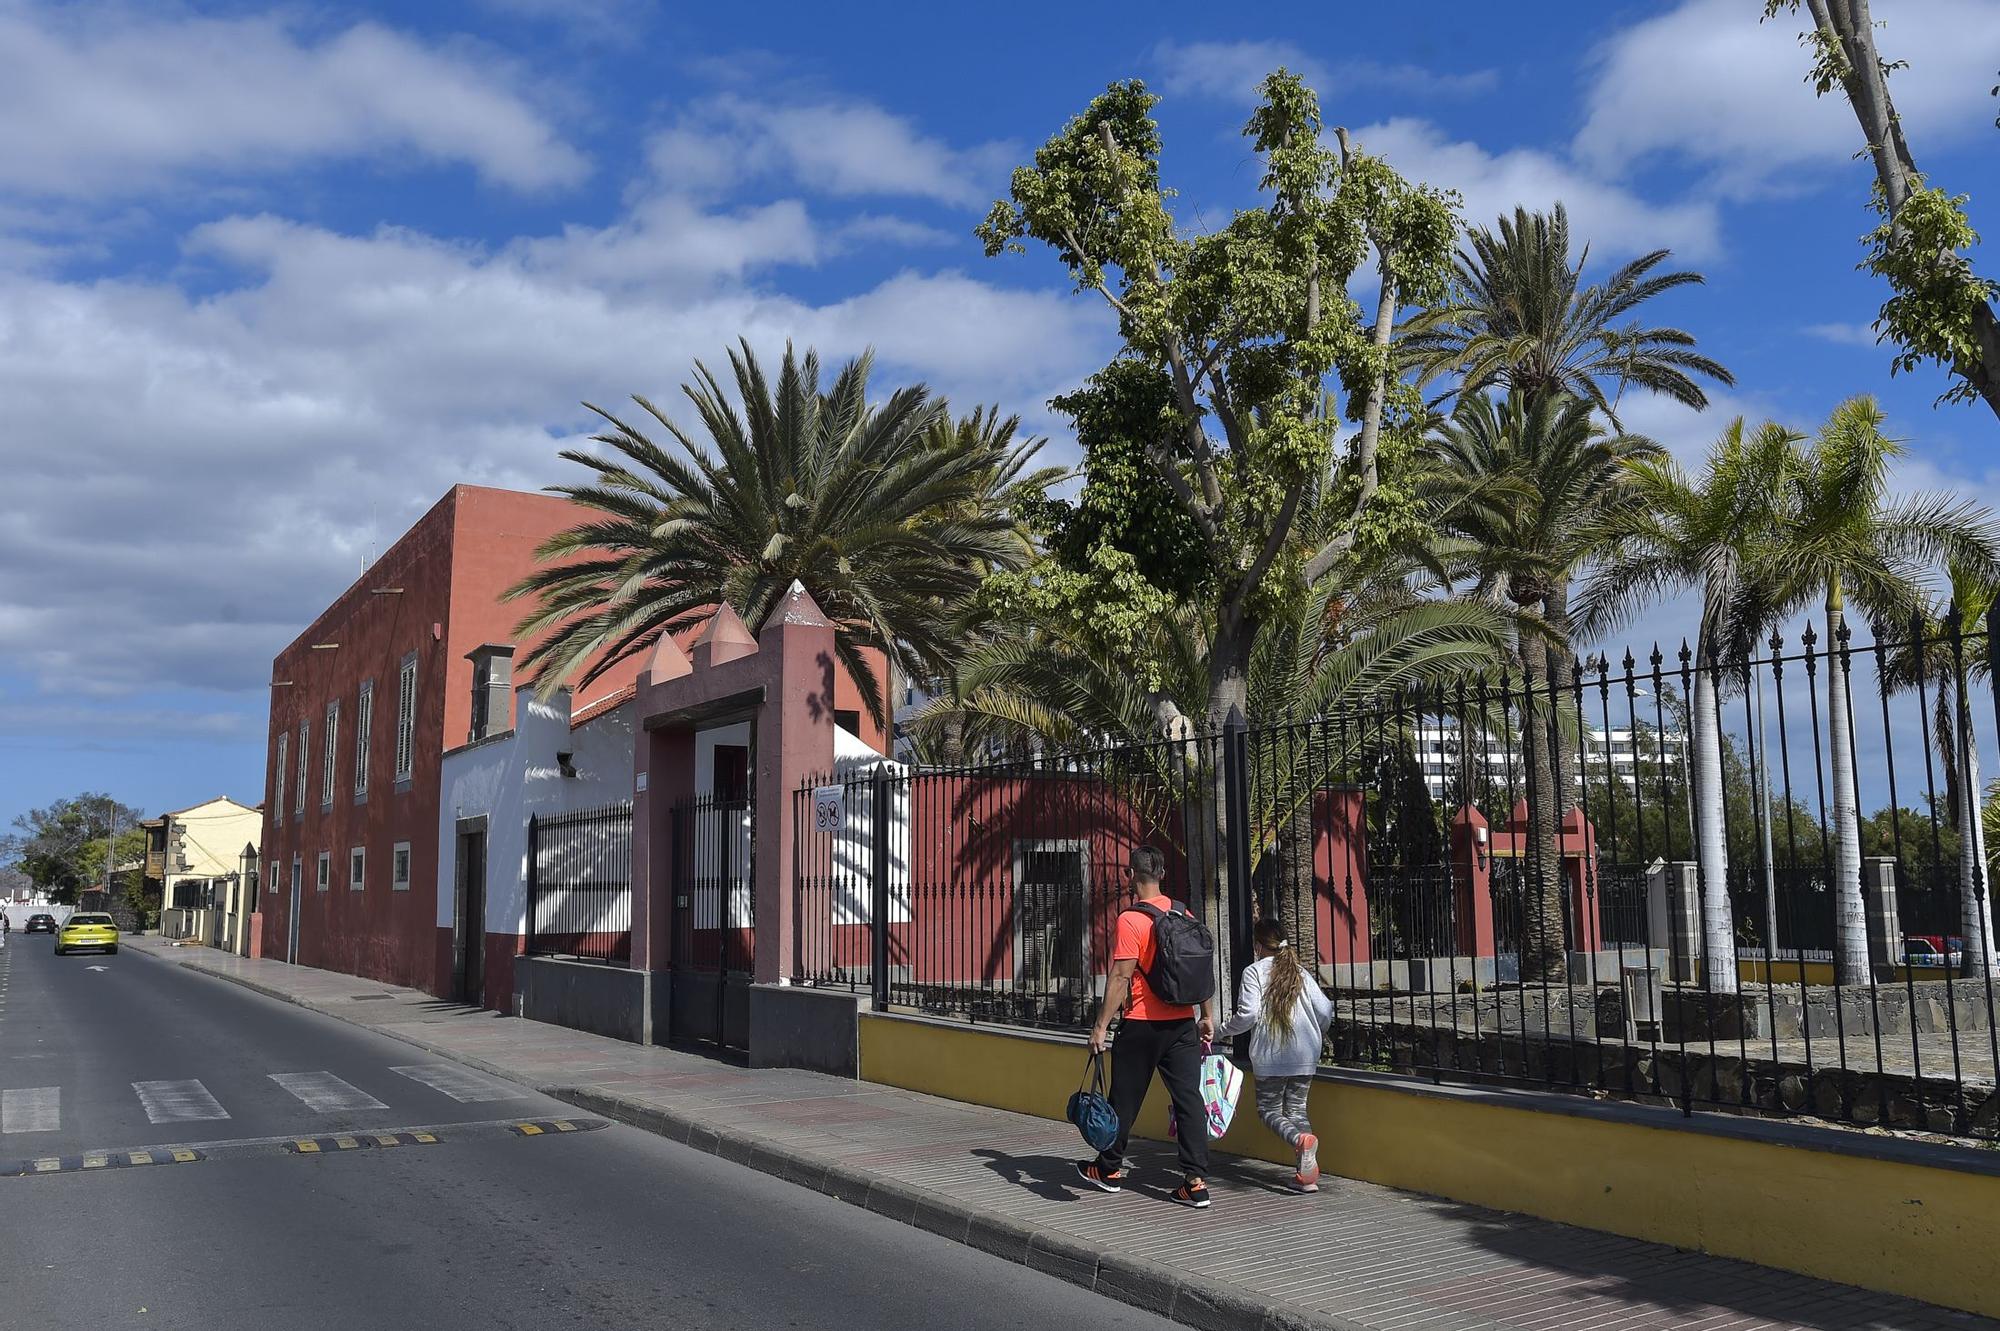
(461, 1085)
(36, 1109)
(177, 1101)
(358, 1143)
(326, 1093)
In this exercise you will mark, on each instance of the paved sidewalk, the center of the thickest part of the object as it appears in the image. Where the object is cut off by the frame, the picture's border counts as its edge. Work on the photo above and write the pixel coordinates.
(1356, 1256)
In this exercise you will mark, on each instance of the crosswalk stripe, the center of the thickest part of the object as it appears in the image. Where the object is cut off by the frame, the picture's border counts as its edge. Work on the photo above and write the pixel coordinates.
(326, 1093)
(36, 1109)
(461, 1085)
(177, 1101)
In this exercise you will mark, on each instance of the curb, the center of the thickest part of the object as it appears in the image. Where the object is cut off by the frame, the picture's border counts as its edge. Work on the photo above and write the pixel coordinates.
(1208, 1304)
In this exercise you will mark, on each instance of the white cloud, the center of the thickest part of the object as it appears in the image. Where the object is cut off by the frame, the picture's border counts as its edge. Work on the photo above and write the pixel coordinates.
(1232, 71)
(838, 148)
(1707, 83)
(103, 100)
(1844, 334)
(1614, 219)
(218, 466)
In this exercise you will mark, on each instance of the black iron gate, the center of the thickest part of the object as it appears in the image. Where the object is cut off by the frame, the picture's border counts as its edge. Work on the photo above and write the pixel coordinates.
(714, 918)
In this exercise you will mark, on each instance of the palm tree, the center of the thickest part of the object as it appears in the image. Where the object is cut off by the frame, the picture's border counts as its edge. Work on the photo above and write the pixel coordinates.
(1680, 533)
(1842, 536)
(1934, 661)
(890, 515)
(1523, 320)
(1546, 476)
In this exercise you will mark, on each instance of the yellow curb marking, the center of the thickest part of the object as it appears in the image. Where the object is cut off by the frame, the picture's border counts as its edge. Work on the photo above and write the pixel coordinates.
(528, 1129)
(97, 1160)
(346, 1143)
(387, 1139)
(184, 1157)
(140, 1157)
(426, 1138)
(306, 1147)
(47, 1166)
(564, 1125)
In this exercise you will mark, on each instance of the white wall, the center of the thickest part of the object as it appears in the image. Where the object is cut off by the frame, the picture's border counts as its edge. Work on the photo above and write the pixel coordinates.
(511, 778)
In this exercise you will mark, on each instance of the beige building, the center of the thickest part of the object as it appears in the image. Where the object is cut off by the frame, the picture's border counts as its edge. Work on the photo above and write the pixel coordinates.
(204, 859)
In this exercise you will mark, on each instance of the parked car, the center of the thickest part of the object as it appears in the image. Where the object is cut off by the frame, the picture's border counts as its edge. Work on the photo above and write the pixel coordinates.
(40, 923)
(1933, 950)
(87, 931)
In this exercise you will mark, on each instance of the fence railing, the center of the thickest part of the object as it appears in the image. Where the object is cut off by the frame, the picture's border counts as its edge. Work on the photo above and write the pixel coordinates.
(580, 885)
(1751, 883)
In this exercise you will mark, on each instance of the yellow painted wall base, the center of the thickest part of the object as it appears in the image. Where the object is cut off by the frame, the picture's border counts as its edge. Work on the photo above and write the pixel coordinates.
(1821, 972)
(1895, 1226)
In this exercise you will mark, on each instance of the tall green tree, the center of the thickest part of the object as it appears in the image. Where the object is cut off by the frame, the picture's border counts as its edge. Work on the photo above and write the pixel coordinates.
(1939, 310)
(1844, 537)
(1544, 476)
(1221, 407)
(1521, 319)
(1677, 533)
(891, 514)
(61, 846)
(1935, 661)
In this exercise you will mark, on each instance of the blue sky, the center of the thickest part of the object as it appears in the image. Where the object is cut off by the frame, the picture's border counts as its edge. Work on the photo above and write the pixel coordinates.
(271, 279)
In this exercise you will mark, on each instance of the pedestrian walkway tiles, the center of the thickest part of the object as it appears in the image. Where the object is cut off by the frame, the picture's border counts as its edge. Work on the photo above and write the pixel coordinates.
(177, 1101)
(325, 1093)
(461, 1084)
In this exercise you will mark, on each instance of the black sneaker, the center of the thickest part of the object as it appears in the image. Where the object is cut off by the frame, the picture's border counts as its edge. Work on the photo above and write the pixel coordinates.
(1101, 1179)
(1192, 1194)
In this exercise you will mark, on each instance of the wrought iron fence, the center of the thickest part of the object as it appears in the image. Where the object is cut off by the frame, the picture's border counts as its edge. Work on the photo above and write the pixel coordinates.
(1755, 883)
(580, 885)
(715, 902)
(997, 885)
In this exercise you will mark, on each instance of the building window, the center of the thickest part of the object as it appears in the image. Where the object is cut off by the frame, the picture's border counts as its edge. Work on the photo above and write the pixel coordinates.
(399, 878)
(305, 750)
(406, 717)
(357, 869)
(325, 870)
(295, 875)
(278, 791)
(847, 719)
(274, 880)
(364, 722)
(330, 760)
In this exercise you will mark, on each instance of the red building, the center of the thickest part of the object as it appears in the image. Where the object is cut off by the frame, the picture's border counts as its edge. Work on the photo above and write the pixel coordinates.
(364, 705)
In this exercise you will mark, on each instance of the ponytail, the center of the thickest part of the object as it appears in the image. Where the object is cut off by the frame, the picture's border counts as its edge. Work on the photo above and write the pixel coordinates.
(1288, 979)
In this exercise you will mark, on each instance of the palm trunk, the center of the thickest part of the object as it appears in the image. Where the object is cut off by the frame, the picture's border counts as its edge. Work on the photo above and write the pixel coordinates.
(1718, 929)
(1562, 681)
(1543, 954)
(1850, 913)
(1975, 893)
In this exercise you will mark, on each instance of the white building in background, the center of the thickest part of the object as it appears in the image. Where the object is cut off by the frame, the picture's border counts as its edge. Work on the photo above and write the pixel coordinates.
(1438, 755)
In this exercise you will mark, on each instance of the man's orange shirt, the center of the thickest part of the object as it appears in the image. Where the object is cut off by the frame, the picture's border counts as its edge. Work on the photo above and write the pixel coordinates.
(1135, 943)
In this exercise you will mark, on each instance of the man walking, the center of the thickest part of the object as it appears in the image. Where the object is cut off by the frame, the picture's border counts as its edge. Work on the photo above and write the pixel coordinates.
(1156, 1033)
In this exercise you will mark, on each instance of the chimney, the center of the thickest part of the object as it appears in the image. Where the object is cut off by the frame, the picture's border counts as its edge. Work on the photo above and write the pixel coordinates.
(492, 689)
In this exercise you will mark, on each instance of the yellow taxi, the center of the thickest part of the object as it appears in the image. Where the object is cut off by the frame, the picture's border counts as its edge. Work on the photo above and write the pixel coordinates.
(87, 931)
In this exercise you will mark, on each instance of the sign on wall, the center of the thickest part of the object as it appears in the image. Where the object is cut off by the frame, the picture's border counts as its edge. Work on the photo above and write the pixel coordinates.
(829, 808)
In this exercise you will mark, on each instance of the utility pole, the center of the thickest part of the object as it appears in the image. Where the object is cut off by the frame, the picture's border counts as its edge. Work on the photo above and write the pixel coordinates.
(110, 846)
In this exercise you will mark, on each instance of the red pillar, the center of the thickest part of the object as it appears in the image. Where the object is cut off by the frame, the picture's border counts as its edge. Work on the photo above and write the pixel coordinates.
(1340, 876)
(1579, 853)
(794, 744)
(1472, 878)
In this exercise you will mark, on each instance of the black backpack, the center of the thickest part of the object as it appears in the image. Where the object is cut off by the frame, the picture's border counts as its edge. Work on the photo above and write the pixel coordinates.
(1183, 969)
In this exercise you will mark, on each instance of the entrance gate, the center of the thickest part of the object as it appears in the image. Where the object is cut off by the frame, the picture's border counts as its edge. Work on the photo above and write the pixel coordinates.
(714, 916)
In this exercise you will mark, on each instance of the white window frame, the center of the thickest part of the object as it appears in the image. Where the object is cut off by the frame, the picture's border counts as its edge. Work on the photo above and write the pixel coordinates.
(305, 754)
(298, 873)
(399, 867)
(325, 879)
(330, 759)
(364, 726)
(406, 718)
(357, 868)
(277, 873)
(283, 766)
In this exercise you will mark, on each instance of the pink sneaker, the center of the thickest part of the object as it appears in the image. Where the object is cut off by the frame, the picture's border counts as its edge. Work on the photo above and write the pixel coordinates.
(1308, 1162)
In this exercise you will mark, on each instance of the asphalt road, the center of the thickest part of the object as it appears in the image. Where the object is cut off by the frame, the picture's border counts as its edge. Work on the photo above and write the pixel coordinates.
(480, 1227)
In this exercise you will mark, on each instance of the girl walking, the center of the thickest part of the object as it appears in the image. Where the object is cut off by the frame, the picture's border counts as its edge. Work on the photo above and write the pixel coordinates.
(1286, 1013)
